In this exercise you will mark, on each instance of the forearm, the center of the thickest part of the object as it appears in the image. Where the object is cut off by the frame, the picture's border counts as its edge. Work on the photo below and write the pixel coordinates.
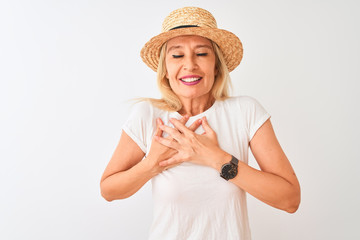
(267, 187)
(125, 183)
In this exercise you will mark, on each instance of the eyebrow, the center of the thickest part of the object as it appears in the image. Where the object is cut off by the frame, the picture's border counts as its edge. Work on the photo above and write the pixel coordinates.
(197, 46)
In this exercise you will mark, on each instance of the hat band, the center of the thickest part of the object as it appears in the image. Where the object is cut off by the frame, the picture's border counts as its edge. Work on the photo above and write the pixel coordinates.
(183, 26)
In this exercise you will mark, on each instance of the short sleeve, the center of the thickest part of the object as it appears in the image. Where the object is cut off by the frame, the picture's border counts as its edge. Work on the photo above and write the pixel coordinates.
(257, 116)
(139, 125)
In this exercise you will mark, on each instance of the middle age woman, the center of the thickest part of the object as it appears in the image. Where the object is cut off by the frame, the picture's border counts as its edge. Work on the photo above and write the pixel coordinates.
(193, 143)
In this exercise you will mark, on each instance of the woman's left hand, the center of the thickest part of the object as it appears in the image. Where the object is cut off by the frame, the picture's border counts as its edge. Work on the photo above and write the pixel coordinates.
(191, 147)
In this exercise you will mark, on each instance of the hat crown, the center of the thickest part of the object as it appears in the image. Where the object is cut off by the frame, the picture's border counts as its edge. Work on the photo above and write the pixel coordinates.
(189, 16)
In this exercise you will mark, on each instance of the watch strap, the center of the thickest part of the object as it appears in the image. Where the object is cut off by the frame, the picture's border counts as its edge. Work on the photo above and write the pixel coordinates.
(234, 160)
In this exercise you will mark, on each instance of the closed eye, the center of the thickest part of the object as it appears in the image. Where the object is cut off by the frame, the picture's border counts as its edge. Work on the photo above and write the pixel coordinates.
(201, 54)
(177, 56)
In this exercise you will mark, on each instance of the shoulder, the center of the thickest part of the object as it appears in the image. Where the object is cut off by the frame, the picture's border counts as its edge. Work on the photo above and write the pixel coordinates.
(145, 110)
(138, 114)
(141, 109)
(244, 106)
(241, 102)
(250, 111)
(142, 105)
(137, 126)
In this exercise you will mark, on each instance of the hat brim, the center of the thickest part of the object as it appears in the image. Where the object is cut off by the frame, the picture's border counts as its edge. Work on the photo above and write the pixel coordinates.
(230, 45)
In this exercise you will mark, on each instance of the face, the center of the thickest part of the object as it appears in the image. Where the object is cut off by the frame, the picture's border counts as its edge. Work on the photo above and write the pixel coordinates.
(190, 65)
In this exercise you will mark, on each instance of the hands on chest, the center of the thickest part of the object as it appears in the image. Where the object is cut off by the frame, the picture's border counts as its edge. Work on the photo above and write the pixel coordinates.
(184, 145)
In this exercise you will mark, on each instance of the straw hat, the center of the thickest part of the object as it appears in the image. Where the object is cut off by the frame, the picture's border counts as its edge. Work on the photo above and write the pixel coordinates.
(193, 21)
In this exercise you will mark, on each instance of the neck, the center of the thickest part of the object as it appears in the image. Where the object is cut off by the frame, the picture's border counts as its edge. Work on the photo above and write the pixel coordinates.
(192, 107)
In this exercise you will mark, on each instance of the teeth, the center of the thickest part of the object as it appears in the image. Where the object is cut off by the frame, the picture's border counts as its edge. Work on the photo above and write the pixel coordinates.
(190, 79)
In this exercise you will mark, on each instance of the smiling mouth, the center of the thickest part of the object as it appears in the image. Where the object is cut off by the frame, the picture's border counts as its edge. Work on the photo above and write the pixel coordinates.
(191, 79)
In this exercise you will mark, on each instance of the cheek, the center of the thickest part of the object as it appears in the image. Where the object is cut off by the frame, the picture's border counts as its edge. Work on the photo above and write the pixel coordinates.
(171, 72)
(168, 69)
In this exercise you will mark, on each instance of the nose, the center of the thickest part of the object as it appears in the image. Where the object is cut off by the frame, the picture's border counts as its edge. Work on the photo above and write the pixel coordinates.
(189, 63)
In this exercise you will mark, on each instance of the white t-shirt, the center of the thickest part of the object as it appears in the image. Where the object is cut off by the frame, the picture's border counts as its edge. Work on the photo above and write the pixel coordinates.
(192, 201)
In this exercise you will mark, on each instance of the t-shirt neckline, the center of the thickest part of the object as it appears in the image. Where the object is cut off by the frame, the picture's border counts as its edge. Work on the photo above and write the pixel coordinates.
(207, 111)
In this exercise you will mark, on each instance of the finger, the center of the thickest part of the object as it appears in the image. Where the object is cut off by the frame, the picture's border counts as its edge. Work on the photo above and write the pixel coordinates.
(171, 143)
(206, 125)
(174, 133)
(179, 126)
(158, 131)
(184, 119)
(195, 125)
(170, 161)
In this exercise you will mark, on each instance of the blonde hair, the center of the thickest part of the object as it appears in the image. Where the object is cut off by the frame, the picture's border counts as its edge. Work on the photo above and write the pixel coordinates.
(171, 102)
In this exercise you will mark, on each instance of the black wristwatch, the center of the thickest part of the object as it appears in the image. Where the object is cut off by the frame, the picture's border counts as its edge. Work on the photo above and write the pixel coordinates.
(229, 170)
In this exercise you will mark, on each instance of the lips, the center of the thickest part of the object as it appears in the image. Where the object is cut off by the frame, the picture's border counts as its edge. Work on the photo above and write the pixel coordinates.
(191, 79)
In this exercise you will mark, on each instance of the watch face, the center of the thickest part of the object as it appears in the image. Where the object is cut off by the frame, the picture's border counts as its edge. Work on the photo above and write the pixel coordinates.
(229, 171)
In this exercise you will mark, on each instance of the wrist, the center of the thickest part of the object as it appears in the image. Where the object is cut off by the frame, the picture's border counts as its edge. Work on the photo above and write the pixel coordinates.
(152, 166)
(219, 159)
(230, 169)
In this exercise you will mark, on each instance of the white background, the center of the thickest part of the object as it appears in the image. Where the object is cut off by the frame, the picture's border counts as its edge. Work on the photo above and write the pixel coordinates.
(68, 69)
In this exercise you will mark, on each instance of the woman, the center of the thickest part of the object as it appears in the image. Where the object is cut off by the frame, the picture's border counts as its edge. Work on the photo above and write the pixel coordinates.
(193, 143)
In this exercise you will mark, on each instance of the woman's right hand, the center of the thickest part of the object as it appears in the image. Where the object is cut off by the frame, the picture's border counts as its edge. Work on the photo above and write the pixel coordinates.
(159, 152)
